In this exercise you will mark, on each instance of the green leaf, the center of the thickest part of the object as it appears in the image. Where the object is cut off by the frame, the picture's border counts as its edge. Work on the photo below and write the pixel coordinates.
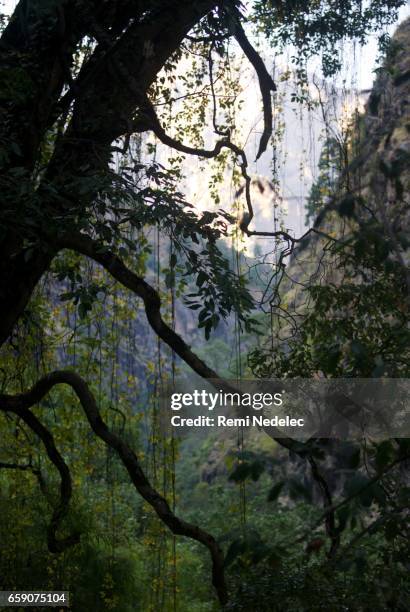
(170, 279)
(201, 278)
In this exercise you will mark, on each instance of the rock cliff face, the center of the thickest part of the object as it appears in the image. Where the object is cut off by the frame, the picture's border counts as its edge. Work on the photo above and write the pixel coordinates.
(375, 184)
(384, 163)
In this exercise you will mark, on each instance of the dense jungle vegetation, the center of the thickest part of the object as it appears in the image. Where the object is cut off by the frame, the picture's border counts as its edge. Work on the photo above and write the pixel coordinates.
(130, 253)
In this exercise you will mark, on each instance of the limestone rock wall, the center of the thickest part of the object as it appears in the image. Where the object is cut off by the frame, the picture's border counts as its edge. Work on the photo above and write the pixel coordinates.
(377, 178)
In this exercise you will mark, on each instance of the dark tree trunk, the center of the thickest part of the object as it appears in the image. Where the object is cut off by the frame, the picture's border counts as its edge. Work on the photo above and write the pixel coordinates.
(20, 271)
(36, 56)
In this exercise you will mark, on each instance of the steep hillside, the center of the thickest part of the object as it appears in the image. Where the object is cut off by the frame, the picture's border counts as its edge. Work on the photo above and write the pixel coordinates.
(375, 183)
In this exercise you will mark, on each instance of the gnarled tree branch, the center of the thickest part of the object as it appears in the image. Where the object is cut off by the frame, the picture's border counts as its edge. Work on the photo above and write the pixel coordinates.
(21, 408)
(152, 302)
(266, 84)
(20, 405)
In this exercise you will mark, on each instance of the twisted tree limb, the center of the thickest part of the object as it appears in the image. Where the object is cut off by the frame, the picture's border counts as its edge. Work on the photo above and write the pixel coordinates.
(152, 302)
(20, 407)
(21, 403)
(266, 84)
(85, 245)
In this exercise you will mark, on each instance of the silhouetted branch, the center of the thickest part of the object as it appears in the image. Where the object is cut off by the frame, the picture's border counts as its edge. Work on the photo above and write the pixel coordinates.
(20, 405)
(266, 84)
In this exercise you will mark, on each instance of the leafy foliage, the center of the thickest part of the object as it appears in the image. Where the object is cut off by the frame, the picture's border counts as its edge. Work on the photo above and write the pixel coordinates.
(357, 328)
(88, 92)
